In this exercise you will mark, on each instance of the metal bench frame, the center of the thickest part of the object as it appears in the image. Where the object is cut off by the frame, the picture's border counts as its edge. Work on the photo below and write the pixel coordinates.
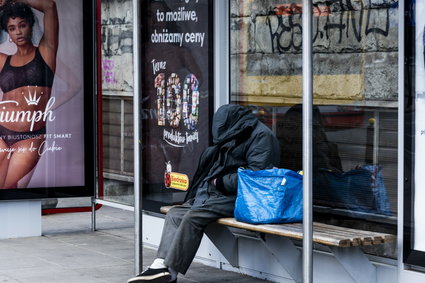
(343, 243)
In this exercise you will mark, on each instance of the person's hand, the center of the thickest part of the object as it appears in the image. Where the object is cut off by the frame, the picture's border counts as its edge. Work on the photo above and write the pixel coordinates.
(218, 183)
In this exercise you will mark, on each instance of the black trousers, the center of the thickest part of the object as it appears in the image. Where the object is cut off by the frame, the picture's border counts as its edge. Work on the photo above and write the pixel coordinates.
(184, 227)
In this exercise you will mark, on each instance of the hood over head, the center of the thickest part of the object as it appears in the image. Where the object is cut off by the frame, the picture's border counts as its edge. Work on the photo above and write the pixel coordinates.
(230, 120)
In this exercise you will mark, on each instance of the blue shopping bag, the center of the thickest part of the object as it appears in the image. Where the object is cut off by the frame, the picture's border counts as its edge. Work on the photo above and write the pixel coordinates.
(269, 196)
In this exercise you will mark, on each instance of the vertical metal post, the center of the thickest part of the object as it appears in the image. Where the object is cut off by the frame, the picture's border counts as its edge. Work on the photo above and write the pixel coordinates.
(400, 149)
(376, 138)
(97, 55)
(138, 227)
(221, 53)
(93, 214)
(307, 142)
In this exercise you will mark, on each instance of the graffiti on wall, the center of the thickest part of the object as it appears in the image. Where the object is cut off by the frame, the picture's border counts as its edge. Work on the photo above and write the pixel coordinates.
(108, 71)
(355, 44)
(285, 23)
(116, 40)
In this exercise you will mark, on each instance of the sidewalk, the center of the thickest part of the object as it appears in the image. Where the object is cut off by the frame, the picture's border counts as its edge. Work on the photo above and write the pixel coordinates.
(69, 252)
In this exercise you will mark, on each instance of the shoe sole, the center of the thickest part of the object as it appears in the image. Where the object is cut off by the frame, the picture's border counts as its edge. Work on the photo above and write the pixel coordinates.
(163, 277)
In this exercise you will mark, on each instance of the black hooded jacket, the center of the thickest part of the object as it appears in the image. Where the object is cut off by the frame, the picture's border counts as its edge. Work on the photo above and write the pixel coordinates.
(239, 140)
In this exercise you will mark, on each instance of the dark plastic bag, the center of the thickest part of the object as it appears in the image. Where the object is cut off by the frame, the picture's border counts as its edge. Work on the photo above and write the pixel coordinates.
(269, 196)
(361, 189)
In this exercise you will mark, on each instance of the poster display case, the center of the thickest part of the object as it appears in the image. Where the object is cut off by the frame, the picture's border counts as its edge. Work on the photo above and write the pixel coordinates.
(176, 99)
(414, 197)
(47, 87)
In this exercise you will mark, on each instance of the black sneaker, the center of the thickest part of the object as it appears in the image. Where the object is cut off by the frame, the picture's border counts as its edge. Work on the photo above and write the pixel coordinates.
(161, 275)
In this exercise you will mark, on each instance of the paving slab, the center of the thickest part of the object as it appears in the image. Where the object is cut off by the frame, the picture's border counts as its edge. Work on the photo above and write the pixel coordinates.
(70, 252)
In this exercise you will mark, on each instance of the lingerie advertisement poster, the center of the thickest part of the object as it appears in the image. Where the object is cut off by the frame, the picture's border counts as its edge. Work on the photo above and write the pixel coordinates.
(177, 94)
(42, 117)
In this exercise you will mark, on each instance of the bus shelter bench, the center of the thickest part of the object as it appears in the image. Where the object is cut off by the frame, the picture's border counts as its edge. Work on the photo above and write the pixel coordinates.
(343, 243)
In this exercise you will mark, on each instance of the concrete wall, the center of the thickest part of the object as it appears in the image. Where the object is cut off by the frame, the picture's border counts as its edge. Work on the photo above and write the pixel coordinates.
(355, 46)
(117, 46)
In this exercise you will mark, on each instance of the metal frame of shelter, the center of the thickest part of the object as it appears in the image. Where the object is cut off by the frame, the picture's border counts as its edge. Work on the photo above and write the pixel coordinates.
(221, 63)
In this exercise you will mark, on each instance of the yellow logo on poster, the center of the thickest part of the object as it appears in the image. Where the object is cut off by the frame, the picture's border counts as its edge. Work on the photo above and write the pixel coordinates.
(177, 181)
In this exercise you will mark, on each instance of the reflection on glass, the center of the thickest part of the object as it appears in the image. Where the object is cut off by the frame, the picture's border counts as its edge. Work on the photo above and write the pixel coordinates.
(355, 95)
(118, 150)
(117, 102)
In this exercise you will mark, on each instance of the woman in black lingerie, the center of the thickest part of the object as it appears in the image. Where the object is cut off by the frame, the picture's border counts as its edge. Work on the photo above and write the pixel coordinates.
(26, 79)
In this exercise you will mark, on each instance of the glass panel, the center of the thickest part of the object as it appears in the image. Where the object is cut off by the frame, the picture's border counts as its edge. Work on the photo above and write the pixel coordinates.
(117, 106)
(118, 149)
(355, 95)
(266, 59)
(355, 87)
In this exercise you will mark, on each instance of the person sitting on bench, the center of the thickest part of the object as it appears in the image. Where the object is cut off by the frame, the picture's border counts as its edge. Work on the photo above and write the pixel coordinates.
(239, 140)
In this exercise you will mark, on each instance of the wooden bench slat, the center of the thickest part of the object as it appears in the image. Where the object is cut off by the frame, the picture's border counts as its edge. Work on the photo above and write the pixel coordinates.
(322, 233)
(291, 230)
(357, 236)
(355, 240)
(377, 237)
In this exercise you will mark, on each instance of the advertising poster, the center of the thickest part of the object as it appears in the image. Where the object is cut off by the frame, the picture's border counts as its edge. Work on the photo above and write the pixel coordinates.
(419, 192)
(176, 91)
(42, 117)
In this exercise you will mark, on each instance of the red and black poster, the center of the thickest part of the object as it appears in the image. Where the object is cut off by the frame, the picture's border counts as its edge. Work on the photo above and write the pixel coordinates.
(46, 92)
(176, 100)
